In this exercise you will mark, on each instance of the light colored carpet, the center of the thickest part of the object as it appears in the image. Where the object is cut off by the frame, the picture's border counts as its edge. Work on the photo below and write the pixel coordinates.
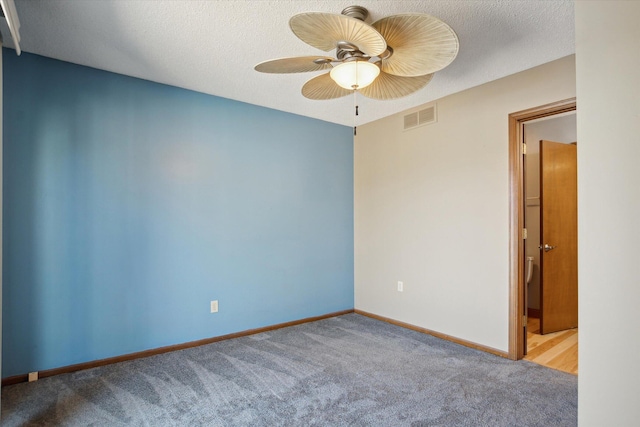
(349, 370)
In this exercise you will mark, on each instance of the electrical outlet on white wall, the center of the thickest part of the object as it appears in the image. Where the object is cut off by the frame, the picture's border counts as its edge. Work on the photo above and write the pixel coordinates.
(214, 306)
(400, 287)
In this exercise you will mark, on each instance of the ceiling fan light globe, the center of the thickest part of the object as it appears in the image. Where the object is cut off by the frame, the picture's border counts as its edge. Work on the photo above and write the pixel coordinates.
(353, 75)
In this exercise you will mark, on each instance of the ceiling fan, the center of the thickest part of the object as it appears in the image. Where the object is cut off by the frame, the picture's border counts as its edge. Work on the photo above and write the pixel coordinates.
(390, 58)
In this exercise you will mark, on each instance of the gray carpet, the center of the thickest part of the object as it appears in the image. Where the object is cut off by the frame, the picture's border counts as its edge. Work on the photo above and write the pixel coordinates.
(349, 370)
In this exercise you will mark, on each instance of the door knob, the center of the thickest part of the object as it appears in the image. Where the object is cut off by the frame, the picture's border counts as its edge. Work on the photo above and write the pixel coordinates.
(547, 247)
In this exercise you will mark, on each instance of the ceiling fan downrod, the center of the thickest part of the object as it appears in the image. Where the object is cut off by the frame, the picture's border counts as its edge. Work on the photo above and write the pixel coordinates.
(357, 12)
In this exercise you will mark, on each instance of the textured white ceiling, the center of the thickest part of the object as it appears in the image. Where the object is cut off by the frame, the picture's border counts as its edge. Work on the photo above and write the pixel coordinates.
(212, 46)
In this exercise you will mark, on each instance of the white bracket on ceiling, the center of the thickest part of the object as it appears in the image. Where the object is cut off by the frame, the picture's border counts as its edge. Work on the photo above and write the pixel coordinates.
(10, 25)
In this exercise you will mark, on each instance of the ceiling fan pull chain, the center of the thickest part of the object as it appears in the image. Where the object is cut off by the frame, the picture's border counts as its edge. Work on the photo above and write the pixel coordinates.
(355, 103)
(355, 100)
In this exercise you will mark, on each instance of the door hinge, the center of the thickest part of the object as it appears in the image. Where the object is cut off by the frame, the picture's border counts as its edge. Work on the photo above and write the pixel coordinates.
(524, 320)
(524, 234)
(524, 148)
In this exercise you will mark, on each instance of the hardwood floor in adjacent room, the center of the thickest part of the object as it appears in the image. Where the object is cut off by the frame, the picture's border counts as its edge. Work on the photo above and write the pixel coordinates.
(558, 350)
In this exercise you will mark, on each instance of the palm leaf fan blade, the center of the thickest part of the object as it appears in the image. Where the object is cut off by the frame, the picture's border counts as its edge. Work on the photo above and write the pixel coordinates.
(323, 87)
(324, 30)
(299, 64)
(387, 86)
(421, 44)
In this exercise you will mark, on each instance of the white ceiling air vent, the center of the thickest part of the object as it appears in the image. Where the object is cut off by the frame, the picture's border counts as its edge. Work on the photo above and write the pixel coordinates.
(420, 118)
(10, 25)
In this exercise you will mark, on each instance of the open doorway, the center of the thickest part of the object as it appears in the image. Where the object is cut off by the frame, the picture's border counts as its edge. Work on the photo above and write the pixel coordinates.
(551, 246)
(518, 206)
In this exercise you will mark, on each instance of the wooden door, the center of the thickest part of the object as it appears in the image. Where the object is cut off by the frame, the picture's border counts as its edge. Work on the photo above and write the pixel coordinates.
(558, 237)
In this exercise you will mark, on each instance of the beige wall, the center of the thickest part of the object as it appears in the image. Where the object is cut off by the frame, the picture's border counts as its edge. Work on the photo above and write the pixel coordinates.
(561, 128)
(608, 88)
(432, 208)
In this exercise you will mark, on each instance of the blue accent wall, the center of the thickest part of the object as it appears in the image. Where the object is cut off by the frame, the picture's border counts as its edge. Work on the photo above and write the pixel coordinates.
(130, 205)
